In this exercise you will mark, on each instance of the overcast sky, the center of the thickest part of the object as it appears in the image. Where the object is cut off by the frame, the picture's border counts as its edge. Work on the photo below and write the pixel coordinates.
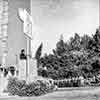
(54, 17)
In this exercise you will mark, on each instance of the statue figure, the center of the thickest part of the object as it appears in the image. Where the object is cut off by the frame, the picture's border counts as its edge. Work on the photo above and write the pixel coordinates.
(23, 55)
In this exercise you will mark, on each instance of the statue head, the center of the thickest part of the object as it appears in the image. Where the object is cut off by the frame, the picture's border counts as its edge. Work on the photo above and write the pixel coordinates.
(22, 51)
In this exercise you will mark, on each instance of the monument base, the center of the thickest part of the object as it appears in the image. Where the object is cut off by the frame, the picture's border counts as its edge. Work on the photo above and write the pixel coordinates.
(27, 72)
(32, 73)
(22, 70)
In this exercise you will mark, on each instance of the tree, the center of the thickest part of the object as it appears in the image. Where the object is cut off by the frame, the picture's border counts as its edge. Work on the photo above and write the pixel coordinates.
(79, 56)
(96, 43)
(60, 47)
(74, 43)
(85, 41)
(38, 53)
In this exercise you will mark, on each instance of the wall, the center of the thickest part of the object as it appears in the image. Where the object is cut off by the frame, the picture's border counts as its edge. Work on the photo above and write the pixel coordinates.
(16, 37)
(3, 29)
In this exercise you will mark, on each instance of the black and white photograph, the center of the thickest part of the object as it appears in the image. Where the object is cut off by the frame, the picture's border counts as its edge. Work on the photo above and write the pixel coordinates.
(49, 49)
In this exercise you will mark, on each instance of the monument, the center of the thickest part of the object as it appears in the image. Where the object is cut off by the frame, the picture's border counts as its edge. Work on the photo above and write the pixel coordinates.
(22, 66)
(27, 66)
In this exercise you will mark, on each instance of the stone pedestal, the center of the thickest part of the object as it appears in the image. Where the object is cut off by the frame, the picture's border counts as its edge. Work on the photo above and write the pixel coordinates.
(27, 73)
(32, 70)
(22, 70)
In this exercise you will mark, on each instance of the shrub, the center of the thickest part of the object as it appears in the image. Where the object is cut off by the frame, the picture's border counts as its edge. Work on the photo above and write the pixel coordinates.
(68, 83)
(21, 88)
(75, 56)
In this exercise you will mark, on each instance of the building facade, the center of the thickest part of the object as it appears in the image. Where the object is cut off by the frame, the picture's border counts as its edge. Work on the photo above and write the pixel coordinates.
(12, 37)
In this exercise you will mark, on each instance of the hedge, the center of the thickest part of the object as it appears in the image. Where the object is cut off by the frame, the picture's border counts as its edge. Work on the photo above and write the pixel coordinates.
(21, 88)
(68, 83)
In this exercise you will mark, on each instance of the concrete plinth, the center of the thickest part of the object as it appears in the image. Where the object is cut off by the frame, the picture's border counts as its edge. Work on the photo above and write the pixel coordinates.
(32, 73)
(27, 72)
(22, 70)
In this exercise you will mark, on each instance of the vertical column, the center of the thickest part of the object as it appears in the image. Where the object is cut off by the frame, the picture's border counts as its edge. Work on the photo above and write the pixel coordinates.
(4, 26)
(28, 53)
(27, 61)
(1, 11)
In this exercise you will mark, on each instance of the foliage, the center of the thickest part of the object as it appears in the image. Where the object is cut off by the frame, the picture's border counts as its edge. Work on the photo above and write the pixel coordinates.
(68, 83)
(38, 52)
(85, 39)
(21, 88)
(60, 47)
(75, 43)
(78, 56)
(96, 41)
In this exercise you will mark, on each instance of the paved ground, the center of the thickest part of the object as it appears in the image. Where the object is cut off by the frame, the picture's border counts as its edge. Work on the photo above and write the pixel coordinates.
(92, 93)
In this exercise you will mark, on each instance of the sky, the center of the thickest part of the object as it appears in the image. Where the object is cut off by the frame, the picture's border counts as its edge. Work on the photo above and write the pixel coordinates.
(51, 18)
